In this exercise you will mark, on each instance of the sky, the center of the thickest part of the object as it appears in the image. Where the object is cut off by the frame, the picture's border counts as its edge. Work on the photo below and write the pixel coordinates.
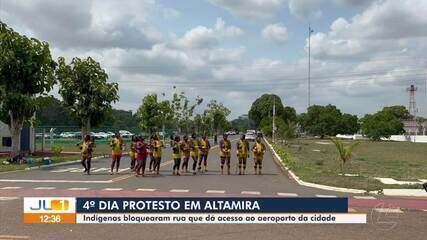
(364, 53)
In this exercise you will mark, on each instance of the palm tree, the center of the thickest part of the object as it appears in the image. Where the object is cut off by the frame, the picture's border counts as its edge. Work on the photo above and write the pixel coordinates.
(344, 153)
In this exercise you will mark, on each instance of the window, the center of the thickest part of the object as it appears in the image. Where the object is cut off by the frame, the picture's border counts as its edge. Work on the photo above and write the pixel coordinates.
(7, 141)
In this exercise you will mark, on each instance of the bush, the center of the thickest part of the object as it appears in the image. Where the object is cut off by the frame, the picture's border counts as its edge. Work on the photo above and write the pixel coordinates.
(57, 150)
(285, 156)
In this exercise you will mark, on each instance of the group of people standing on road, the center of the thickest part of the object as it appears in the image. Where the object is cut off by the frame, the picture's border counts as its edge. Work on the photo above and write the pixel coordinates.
(183, 150)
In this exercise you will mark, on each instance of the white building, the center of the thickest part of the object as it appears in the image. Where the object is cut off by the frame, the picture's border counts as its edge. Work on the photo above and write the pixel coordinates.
(27, 139)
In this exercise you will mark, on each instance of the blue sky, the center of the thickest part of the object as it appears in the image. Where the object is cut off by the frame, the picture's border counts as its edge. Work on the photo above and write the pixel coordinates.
(364, 52)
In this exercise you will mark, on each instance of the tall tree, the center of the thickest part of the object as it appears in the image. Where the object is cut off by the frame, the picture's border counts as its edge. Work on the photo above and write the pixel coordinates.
(153, 114)
(26, 72)
(183, 110)
(85, 91)
(263, 107)
(217, 114)
(382, 124)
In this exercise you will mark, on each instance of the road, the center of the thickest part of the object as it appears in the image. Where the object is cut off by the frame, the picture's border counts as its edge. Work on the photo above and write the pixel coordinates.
(406, 220)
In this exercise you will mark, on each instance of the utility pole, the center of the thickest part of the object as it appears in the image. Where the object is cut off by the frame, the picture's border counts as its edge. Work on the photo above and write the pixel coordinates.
(413, 125)
(274, 121)
(310, 31)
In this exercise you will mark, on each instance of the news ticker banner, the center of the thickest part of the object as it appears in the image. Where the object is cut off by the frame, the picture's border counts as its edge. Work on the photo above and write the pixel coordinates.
(188, 210)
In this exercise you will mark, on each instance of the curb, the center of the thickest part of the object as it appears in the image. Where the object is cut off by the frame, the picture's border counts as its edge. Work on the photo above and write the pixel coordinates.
(385, 192)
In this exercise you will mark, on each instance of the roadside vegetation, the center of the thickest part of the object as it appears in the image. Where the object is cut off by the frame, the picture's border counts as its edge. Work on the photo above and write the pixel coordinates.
(315, 160)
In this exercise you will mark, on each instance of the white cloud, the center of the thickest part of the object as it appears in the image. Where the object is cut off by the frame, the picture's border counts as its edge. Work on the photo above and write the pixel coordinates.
(203, 37)
(384, 26)
(258, 10)
(277, 33)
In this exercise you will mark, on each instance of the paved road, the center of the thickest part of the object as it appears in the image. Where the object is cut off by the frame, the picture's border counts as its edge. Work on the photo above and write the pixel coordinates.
(69, 181)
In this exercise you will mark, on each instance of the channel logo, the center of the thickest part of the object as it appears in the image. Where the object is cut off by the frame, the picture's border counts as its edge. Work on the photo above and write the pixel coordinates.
(49, 205)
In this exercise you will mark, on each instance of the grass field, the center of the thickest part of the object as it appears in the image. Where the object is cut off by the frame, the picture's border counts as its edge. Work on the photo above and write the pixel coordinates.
(315, 160)
(69, 145)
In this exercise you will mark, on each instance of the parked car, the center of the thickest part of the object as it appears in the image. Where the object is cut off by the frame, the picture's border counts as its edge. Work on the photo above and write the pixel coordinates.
(125, 134)
(67, 135)
(100, 135)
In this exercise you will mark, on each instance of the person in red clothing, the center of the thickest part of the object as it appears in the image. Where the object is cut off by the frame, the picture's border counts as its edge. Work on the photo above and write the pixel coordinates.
(141, 157)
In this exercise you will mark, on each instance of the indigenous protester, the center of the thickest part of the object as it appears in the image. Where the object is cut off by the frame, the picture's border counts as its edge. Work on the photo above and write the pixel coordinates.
(205, 146)
(176, 153)
(258, 149)
(242, 154)
(157, 154)
(194, 151)
(87, 148)
(225, 153)
(141, 156)
(117, 149)
(185, 148)
(151, 152)
(132, 152)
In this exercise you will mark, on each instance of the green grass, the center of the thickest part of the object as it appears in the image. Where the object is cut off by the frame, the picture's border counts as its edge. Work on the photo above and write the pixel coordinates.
(69, 145)
(37, 162)
(318, 163)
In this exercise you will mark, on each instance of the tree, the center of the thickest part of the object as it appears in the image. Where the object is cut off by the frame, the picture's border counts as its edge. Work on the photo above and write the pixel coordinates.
(26, 72)
(153, 114)
(241, 124)
(266, 126)
(344, 153)
(263, 107)
(349, 124)
(51, 112)
(183, 110)
(85, 91)
(382, 124)
(216, 116)
(399, 112)
(322, 120)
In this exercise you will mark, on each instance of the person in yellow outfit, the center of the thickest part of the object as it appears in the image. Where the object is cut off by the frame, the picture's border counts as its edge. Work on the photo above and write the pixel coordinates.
(87, 148)
(132, 153)
(258, 149)
(225, 153)
(194, 151)
(177, 154)
(116, 152)
(185, 148)
(242, 154)
(157, 154)
(205, 146)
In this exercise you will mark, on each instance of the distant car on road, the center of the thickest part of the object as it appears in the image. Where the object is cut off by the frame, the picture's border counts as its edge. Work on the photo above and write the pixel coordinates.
(100, 135)
(125, 134)
(67, 135)
(249, 136)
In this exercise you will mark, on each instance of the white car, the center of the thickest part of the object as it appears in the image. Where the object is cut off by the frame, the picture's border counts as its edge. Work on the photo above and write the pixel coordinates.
(125, 134)
(250, 136)
(100, 135)
(67, 135)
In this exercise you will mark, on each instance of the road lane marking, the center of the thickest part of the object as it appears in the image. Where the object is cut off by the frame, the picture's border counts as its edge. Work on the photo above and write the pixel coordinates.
(63, 170)
(8, 199)
(179, 190)
(77, 171)
(10, 188)
(365, 197)
(51, 181)
(78, 189)
(146, 189)
(123, 170)
(11, 237)
(251, 192)
(44, 188)
(99, 170)
(287, 194)
(112, 189)
(216, 191)
(326, 196)
(388, 210)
